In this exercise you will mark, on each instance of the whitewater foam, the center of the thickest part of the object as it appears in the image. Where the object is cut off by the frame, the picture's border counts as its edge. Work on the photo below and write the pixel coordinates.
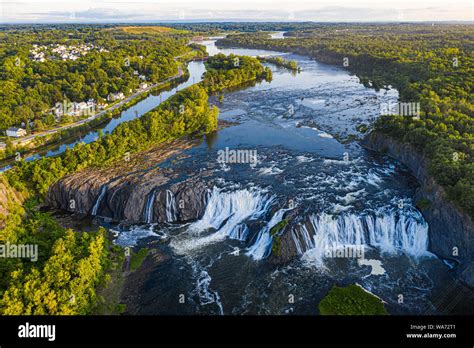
(270, 170)
(203, 291)
(224, 217)
(131, 237)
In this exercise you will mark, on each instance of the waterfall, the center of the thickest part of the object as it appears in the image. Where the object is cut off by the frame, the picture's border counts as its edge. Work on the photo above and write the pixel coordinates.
(390, 232)
(148, 214)
(302, 239)
(262, 246)
(240, 232)
(103, 191)
(225, 216)
(170, 207)
(225, 210)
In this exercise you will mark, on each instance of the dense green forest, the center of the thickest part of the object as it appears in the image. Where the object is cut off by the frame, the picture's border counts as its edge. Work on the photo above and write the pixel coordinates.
(68, 267)
(111, 62)
(280, 62)
(230, 71)
(351, 300)
(212, 28)
(430, 65)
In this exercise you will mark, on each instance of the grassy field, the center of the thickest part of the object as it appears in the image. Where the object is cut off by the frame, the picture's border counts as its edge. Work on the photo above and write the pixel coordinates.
(150, 30)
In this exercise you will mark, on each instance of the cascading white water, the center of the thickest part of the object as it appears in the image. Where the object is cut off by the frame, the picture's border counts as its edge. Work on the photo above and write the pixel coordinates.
(240, 232)
(102, 193)
(263, 244)
(225, 212)
(405, 232)
(170, 207)
(302, 239)
(130, 237)
(390, 231)
(149, 207)
(232, 208)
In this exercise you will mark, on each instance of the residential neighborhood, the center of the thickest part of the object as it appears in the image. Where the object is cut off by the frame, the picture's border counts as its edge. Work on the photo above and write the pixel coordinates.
(76, 109)
(40, 53)
(71, 113)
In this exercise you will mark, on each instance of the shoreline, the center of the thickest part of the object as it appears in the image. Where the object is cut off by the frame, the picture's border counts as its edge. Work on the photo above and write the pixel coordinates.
(91, 123)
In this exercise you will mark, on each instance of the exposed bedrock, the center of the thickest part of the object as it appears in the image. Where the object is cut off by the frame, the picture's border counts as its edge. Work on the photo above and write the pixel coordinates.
(153, 196)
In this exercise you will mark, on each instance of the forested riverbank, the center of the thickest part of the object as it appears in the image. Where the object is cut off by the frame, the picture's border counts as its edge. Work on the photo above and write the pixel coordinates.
(62, 85)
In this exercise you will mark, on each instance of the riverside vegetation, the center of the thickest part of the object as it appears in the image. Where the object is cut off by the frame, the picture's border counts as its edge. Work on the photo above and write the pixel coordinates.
(280, 62)
(73, 264)
(222, 71)
(351, 300)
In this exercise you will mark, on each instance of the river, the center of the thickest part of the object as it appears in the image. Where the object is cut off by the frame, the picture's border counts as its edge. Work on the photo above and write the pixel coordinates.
(300, 127)
(220, 264)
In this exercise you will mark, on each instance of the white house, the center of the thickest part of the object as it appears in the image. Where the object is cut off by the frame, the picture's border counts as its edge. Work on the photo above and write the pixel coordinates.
(16, 132)
(143, 85)
(115, 96)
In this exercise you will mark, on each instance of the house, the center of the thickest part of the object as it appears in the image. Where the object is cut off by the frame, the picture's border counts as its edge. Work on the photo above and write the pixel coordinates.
(16, 132)
(81, 108)
(115, 96)
(143, 85)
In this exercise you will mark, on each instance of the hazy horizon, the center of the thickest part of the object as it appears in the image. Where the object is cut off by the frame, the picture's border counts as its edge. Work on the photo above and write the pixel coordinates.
(149, 11)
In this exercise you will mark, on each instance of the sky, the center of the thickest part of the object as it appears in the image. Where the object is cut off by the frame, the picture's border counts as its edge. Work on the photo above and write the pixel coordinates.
(113, 11)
